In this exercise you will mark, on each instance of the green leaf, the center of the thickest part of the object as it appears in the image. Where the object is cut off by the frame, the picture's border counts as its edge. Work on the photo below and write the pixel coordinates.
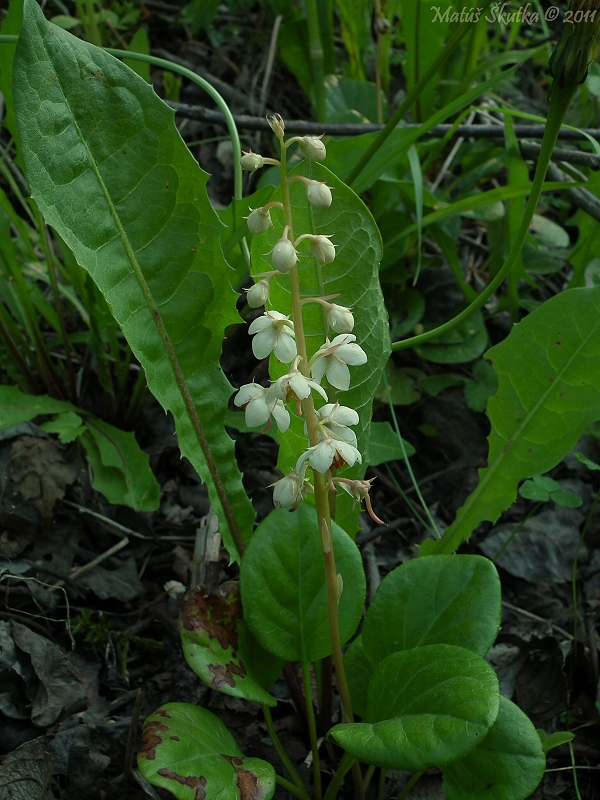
(465, 343)
(428, 706)
(482, 387)
(531, 490)
(354, 276)
(548, 233)
(434, 600)
(359, 672)
(434, 384)
(400, 385)
(384, 445)
(208, 624)
(189, 751)
(567, 499)
(139, 44)
(554, 740)
(284, 594)
(408, 311)
(111, 174)
(121, 469)
(507, 765)
(17, 407)
(548, 394)
(68, 426)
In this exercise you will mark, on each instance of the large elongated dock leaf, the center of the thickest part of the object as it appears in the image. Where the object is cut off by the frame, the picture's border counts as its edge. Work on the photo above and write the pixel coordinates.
(548, 394)
(111, 174)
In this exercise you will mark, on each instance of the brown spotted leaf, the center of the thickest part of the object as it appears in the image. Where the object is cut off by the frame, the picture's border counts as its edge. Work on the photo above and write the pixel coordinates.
(189, 751)
(209, 627)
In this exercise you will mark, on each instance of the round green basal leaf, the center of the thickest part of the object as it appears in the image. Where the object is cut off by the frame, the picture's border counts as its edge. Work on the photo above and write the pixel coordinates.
(284, 594)
(434, 600)
(359, 671)
(189, 751)
(408, 309)
(428, 706)
(507, 765)
(465, 343)
(209, 627)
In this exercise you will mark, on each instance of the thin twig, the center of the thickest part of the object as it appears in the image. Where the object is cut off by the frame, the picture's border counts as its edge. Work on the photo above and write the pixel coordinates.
(353, 129)
(120, 530)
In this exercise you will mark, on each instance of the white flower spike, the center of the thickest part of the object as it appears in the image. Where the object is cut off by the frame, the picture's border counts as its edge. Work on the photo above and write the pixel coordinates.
(258, 409)
(333, 357)
(274, 333)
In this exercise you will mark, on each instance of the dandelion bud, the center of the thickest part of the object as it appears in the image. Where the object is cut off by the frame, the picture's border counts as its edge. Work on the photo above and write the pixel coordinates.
(252, 161)
(284, 255)
(312, 148)
(258, 220)
(257, 295)
(276, 124)
(340, 319)
(322, 249)
(318, 194)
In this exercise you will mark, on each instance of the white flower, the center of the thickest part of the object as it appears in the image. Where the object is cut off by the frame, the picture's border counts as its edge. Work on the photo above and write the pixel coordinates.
(322, 249)
(332, 357)
(318, 194)
(286, 492)
(276, 124)
(274, 333)
(312, 148)
(340, 318)
(331, 452)
(284, 255)
(294, 385)
(252, 161)
(258, 294)
(258, 219)
(334, 419)
(258, 409)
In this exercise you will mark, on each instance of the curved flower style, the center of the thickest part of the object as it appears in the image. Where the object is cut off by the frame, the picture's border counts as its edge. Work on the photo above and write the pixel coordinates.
(274, 333)
(252, 397)
(333, 357)
(359, 490)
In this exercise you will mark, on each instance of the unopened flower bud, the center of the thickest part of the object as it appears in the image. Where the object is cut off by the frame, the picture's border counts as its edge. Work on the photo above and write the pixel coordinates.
(312, 148)
(322, 249)
(284, 255)
(257, 295)
(286, 492)
(276, 124)
(340, 318)
(259, 220)
(318, 194)
(252, 161)
(569, 63)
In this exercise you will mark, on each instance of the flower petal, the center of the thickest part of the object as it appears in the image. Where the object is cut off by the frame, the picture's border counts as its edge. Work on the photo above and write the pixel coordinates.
(281, 416)
(263, 343)
(285, 348)
(338, 374)
(257, 413)
(352, 354)
(322, 456)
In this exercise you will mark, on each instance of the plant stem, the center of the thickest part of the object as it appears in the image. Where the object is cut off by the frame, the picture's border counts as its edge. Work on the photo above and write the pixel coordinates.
(556, 112)
(382, 779)
(285, 759)
(312, 729)
(321, 488)
(404, 793)
(291, 787)
(345, 764)
(315, 49)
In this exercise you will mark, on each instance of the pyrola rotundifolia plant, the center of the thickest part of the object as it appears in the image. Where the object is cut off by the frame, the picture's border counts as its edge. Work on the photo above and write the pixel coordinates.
(403, 685)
